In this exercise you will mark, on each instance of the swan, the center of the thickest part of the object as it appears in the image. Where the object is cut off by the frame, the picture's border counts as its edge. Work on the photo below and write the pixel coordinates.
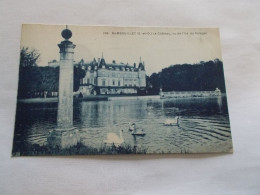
(132, 126)
(135, 131)
(113, 138)
(171, 122)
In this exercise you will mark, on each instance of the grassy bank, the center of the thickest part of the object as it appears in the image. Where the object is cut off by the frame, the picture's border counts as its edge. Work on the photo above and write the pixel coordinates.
(79, 149)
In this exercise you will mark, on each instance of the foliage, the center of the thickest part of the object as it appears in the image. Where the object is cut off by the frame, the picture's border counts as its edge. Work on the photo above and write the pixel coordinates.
(35, 80)
(153, 84)
(78, 74)
(204, 76)
(38, 79)
(28, 57)
(79, 149)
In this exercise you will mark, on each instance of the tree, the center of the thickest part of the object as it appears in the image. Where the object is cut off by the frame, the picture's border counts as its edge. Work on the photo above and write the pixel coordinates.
(204, 76)
(39, 80)
(79, 73)
(49, 78)
(153, 84)
(28, 57)
(29, 74)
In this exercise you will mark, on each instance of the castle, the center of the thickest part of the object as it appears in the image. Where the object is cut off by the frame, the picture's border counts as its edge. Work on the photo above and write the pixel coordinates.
(111, 78)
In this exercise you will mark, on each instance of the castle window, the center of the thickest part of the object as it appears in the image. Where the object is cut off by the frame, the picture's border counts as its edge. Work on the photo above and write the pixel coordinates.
(113, 82)
(88, 80)
(103, 83)
(118, 83)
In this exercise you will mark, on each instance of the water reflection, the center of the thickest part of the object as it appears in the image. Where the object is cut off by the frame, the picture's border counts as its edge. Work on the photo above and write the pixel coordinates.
(219, 101)
(113, 138)
(203, 123)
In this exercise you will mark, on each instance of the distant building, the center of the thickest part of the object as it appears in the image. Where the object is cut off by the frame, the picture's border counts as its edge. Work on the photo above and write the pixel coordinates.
(53, 63)
(110, 78)
(113, 78)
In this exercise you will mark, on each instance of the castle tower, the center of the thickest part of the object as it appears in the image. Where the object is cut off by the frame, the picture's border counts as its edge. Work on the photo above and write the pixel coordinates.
(141, 74)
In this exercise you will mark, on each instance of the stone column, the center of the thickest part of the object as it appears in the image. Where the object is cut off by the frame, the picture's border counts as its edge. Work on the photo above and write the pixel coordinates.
(65, 135)
(65, 107)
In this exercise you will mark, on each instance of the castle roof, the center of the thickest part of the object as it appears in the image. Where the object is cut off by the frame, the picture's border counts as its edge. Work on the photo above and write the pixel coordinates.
(102, 63)
(114, 66)
(141, 65)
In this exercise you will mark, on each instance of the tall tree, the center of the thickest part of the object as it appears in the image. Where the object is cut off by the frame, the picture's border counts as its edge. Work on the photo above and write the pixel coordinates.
(29, 74)
(203, 76)
(28, 57)
(79, 73)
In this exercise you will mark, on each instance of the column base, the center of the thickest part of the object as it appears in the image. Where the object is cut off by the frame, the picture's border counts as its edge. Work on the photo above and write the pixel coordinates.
(63, 138)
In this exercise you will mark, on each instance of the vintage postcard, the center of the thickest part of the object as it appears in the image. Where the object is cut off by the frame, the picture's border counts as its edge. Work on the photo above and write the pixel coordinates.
(86, 90)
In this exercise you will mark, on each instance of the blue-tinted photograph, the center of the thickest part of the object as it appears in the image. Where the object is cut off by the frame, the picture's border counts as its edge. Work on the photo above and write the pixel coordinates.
(98, 90)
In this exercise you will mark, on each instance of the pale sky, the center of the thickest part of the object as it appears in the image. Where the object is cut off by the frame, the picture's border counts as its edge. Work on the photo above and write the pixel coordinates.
(158, 47)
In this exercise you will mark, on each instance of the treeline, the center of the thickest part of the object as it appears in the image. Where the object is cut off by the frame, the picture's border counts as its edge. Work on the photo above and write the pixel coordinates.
(35, 81)
(203, 76)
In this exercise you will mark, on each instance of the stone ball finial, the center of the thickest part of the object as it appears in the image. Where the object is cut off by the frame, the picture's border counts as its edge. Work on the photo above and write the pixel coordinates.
(66, 33)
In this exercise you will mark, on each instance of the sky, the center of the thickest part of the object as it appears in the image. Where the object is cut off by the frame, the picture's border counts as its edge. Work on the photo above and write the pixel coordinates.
(158, 47)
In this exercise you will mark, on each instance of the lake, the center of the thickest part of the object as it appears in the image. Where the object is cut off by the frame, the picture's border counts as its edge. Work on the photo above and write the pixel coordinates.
(203, 125)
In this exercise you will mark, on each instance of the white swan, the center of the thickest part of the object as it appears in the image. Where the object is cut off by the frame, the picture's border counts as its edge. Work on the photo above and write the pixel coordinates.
(112, 138)
(171, 122)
